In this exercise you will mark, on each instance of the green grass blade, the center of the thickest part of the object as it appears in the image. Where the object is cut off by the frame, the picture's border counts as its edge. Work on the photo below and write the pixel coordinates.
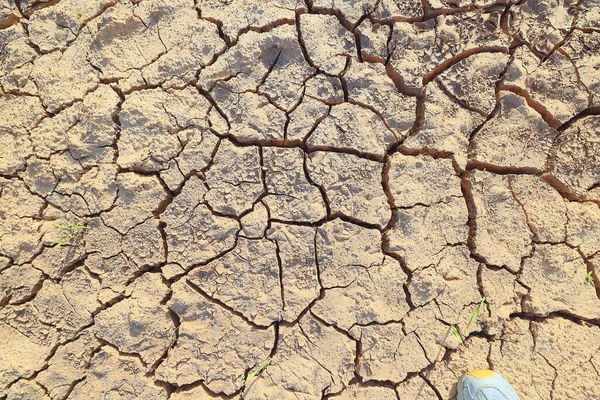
(257, 371)
(476, 313)
(455, 332)
(140, 51)
(64, 241)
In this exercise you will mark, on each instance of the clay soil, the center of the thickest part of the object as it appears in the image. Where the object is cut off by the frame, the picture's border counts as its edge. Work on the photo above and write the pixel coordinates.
(331, 185)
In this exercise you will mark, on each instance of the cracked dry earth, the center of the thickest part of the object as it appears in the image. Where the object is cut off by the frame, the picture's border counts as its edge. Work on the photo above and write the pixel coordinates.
(330, 184)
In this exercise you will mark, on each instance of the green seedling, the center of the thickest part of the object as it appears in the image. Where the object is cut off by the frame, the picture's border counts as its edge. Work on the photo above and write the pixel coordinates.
(140, 51)
(590, 279)
(257, 371)
(70, 229)
(83, 21)
(476, 313)
(458, 336)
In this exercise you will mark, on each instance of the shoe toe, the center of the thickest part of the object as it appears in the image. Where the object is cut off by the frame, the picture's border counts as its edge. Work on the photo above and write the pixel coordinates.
(485, 386)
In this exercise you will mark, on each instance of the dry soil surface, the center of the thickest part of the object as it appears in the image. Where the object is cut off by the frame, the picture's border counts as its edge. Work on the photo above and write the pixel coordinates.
(329, 184)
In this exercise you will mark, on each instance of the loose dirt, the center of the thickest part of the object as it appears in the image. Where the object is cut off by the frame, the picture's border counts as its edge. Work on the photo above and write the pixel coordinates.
(329, 185)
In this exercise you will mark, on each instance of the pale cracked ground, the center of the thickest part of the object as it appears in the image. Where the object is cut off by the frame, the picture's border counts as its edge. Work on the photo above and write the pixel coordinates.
(331, 184)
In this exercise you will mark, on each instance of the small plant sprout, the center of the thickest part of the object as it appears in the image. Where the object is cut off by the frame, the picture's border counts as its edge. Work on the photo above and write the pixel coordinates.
(257, 371)
(458, 336)
(476, 313)
(140, 51)
(590, 279)
(83, 21)
(70, 229)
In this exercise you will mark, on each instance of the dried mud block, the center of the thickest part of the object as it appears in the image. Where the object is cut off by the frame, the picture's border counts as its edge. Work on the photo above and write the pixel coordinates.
(65, 367)
(543, 24)
(16, 62)
(21, 355)
(451, 283)
(554, 83)
(388, 354)
(350, 126)
(26, 390)
(299, 274)
(518, 343)
(82, 191)
(138, 324)
(190, 42)
(413, 51)
(555, 275)
(361, 284)
(367, 393)
(237, 16)
(473, 79)
(57, 26)
(115, 272)
(94, 131)
(415, 388)
(346, 246)
(269, 63)
(123, 43)
(17, 200)
(252, 116)
(18, 114)
(438, 225)
(472, 356)
(193, 233)
(353, 10)
(446, 125)
(504, 296)
(245, 279)
(8, 13)
(327, 42)
(422, 180)
(502, 235)
(20, 238)
(291, 197)
(588, 15)
(546, 209)
(255, 223)
(472, 30)
(213, 345)
(234, 179)
(578, 346)
(198, 148)
(584, 50)
(19, 283)
(68, 306)
(583, 230)
(432, 331)
(143, 245)
(312, 359)
(305, 118)
(63, 78)
(101, 239)
(352, 185)
(56, 261)
(117, 376)
(327, 89)
(369, 86)
(138, 196)
(373, 40)
(197, 392)
(153, 126)
(575, 159)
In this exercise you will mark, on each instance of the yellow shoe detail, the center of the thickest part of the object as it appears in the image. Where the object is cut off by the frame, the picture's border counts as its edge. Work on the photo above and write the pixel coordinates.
(481, 373)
